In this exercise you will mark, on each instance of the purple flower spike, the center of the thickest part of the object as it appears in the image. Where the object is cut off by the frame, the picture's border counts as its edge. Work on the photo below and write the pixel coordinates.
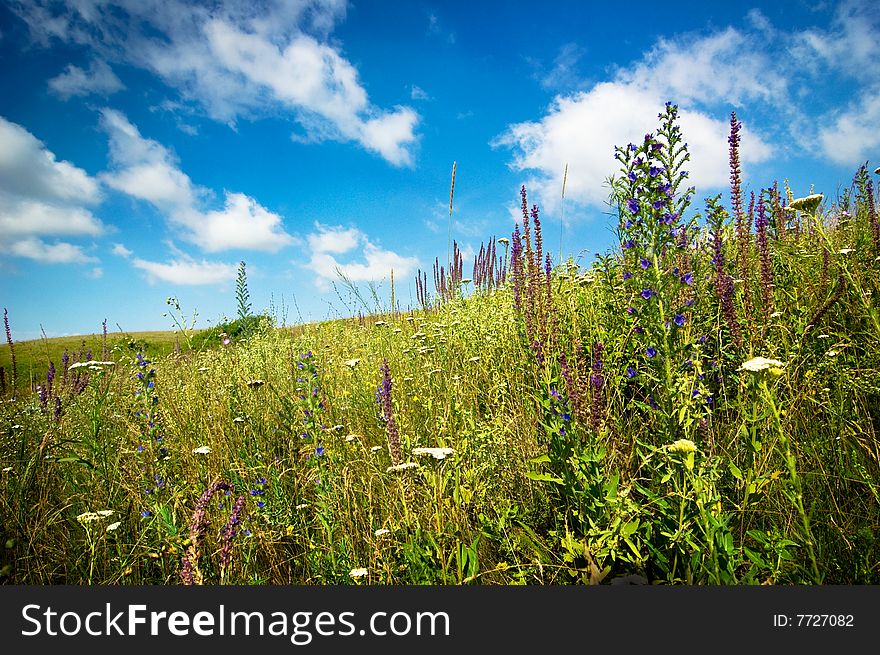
(628, 244)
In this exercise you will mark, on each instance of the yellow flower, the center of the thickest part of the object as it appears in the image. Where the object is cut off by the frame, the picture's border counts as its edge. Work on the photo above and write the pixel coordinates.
(682, 446)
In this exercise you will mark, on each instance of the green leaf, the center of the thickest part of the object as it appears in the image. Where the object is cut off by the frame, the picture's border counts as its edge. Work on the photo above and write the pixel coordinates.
(540, 460)
(629, 528)
(734, 471)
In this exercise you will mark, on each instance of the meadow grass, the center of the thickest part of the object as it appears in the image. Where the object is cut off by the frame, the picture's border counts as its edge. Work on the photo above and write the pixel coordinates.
(574, 428)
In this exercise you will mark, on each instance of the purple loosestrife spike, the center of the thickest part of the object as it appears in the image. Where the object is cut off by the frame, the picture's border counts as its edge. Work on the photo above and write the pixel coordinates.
(516, 269)
(228, 532)
(190, 573)
(388, 413)
(872, 216)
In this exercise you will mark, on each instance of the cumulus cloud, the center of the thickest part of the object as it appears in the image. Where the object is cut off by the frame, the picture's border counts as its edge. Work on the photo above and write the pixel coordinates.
(55, 253)
(29, 169)
(330, 241)
(41, 196)
(186, 271)
(99, 79)
(236, 59)
(772, 76)
(145, 169)
(581, 129)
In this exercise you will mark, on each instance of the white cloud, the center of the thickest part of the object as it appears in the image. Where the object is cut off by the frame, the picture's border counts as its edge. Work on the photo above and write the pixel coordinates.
(121, 250)
(145, 169)
(418, 93)
(29, 169)
(185, 271)
(234, 59)
(56, 253)
(376, 264)
(582, 129)
(42, 197)
(98, 79)
(243, 223)
(853, 135)
(96, 273)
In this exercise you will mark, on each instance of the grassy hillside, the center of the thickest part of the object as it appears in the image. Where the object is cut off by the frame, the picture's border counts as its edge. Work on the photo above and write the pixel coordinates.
(701, 406)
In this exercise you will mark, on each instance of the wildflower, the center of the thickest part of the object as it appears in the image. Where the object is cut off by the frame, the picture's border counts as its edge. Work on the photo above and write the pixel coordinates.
(679, 320)
(358, 573)
(146, 514)
(225, 341)
(633, 205)
(845, 251)
(375, 449)
(202, 450)
(401, 467)
(319, 451)
(644, 263)
(758, 364)
(682, 446)
(381, 532)
(351, 363)
(647, 293)
(350, 437)
(627, 275)
(631, 372)
(832, 353)
(688, 279)
(808, 203)
(113, 526)
(651, 351)
(436, 453)
(629, 243)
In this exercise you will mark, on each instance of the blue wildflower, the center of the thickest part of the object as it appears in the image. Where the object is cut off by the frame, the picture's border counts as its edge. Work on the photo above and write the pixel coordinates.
(633, 205)
(647, 293)
(651, 351)
(630, 372)
(679, 320)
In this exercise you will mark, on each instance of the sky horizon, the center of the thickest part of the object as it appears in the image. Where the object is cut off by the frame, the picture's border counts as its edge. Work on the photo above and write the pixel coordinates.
(147, 147)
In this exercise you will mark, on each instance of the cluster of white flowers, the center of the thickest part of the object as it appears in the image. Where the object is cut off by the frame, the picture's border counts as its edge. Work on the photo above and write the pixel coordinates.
(436, 453)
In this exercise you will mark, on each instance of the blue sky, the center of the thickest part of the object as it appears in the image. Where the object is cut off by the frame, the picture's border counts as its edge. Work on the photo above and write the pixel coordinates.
(147, 147)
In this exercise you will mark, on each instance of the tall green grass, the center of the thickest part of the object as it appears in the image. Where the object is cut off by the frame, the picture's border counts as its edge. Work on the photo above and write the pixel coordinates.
(564, 468)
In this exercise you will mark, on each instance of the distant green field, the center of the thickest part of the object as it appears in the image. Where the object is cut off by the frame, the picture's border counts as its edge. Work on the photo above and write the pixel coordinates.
(32, 357)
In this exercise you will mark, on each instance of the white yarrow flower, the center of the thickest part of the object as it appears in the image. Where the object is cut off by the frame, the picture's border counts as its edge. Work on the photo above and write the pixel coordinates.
(113, 526)
(436, 453)
(382, 531)
(358, 573)
(758, 364)
(202, 450)
(402, 467)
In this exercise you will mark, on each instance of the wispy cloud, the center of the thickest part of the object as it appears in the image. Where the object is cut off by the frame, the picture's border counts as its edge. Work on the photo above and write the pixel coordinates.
(98, 79)
(185, 271)
(145, 169)
(41, 197)
(235, 61)
(328, 242)
(45, 253)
